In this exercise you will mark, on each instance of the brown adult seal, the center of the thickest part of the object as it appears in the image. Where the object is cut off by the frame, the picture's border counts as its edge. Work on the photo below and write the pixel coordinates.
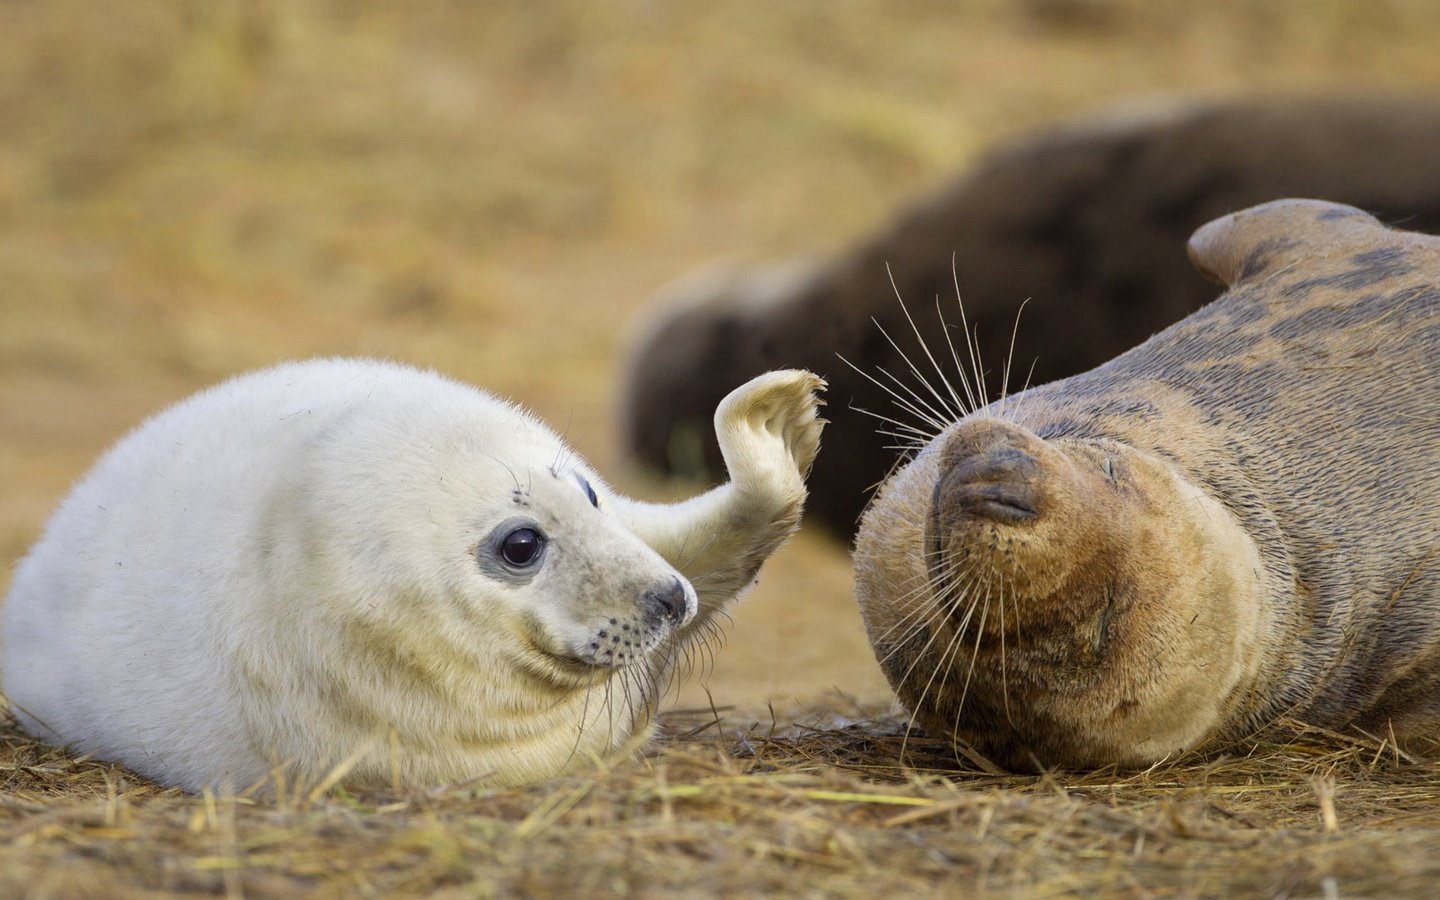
(1088, 220)
(1237, 520)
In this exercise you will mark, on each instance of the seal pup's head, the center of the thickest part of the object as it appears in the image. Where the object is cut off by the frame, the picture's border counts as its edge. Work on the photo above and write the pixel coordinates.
(579, 588)
(454, 572)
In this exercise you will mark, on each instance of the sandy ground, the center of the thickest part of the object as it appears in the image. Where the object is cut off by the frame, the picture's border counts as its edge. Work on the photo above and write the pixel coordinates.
(190, 190)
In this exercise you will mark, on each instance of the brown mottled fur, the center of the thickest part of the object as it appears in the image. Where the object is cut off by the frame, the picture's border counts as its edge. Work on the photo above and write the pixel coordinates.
(1237, 520)
(1088, 221)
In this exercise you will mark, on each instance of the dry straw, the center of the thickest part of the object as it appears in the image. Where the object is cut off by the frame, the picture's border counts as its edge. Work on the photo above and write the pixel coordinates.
(729, 803)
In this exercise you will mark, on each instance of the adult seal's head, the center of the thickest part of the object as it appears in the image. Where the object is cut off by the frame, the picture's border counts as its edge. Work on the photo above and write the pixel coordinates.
(1235, 521)
(350, 568)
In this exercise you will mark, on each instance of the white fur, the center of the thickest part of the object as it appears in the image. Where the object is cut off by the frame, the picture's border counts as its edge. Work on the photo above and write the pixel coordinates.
(286, 571)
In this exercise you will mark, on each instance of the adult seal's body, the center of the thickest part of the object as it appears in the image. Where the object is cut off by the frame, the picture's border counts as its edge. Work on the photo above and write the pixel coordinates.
(1087, 221)
(356, 568)
(1235, 521)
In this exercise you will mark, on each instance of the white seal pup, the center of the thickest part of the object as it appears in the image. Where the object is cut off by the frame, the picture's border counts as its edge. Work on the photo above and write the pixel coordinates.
(354, 566)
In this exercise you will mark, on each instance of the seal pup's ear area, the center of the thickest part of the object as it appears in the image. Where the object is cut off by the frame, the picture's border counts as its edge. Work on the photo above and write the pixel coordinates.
(1254, 241)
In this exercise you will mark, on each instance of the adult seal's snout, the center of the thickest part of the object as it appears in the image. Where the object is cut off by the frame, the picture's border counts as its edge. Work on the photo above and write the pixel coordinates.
(989, 479)
(990, 476)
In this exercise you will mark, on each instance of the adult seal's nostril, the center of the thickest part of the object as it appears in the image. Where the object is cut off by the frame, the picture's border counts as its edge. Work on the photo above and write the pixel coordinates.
(1000, 484)
(985, 479)
(666, 602)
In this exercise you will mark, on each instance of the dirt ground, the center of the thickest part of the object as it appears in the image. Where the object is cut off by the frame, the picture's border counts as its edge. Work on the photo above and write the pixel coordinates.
(192, 188)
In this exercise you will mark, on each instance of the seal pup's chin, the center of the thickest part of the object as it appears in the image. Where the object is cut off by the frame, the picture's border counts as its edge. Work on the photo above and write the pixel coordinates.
(634, 636)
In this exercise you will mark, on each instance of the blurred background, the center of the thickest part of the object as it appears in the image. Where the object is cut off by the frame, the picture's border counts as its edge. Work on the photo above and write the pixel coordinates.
(492, 189)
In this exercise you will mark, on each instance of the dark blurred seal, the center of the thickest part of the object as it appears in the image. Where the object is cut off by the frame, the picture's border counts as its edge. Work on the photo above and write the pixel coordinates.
(1089, 222)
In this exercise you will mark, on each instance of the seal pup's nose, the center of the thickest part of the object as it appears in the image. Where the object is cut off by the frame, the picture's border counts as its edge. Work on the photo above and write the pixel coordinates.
(667, 602)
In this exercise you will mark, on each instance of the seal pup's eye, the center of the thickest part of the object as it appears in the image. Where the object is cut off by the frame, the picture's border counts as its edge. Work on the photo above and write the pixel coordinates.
(589, 491)
(514, 551)
(521, 547)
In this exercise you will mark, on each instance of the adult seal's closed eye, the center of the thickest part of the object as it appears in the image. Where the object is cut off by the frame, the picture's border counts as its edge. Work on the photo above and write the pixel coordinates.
(360, 568)
(1236, 521)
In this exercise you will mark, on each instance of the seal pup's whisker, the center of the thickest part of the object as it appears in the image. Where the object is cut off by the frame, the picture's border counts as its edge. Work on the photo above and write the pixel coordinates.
(687, 554)
(584, 721)
(609, 712)
(641, 701)
(699, 650)
(711, 641)
(669, 674)
(580, 725)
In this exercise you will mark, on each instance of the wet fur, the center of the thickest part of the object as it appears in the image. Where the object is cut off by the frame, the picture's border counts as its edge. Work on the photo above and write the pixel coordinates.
(1244, 521)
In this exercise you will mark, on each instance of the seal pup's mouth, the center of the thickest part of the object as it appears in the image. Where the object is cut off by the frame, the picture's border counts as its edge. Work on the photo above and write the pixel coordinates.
(562, 671)
(611, 643)
(631, 636)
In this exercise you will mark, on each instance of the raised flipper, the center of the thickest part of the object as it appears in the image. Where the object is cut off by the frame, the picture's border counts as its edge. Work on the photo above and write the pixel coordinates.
(769, 432)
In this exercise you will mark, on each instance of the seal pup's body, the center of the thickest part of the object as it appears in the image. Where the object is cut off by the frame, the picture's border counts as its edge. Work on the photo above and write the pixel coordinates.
(1235, 521)
(354, 564)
